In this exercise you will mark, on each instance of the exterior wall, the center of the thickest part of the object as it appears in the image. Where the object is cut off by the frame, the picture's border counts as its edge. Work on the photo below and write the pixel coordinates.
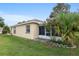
(21, 31)
(34, 29)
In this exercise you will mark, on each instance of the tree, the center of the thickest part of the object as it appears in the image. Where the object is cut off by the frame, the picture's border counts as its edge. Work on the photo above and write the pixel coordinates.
(6, 30)
(66, 25)
(60, 8)
(1, 22)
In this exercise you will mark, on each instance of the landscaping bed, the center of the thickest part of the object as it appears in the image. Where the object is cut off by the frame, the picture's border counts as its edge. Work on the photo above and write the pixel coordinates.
(17, 46)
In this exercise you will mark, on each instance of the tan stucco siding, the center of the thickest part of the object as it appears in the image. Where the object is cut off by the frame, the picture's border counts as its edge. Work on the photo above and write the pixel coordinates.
(21, 31)
(34, 30)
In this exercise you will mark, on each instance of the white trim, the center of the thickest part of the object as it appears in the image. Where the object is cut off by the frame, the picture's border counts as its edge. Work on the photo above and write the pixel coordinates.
(44, 37)
(48, 37)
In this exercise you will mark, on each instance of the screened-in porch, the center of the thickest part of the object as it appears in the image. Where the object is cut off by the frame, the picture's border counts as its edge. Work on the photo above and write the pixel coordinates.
(44, 33)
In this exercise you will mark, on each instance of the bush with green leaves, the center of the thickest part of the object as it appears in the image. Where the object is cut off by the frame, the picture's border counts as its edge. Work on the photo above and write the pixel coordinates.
(6, 30)
(66, 25)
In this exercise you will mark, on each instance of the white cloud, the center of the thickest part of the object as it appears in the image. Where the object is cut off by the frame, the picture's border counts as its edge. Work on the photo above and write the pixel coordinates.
(11, 19)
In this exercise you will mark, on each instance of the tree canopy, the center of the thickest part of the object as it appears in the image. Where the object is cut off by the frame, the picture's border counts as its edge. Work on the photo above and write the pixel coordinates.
(1, 22)
(60, 8)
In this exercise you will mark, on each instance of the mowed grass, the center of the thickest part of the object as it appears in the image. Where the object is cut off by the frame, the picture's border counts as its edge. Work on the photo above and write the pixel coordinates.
(17, 46)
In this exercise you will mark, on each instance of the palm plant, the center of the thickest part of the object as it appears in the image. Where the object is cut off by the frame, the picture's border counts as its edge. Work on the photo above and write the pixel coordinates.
(65, 24)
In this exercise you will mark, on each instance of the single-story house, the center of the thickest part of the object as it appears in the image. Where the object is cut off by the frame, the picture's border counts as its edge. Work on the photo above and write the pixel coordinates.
(31, 29)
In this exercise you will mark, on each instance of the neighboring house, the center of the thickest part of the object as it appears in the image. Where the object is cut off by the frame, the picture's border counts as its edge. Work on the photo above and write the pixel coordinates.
(1, 30)
(31, 29)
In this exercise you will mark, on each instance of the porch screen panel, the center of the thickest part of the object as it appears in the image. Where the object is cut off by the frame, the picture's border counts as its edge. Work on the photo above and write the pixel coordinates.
(41, 30)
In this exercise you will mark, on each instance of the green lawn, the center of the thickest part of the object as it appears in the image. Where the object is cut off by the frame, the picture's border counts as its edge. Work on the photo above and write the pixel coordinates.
(15, 46)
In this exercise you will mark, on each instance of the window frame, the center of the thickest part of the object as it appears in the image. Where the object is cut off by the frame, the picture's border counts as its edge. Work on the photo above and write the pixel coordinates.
(27, 28)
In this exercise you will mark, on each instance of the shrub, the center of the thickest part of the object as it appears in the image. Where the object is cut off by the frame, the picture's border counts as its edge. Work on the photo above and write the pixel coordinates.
(6, 30)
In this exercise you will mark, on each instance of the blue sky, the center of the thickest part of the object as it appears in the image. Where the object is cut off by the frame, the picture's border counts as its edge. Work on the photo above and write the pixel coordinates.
(13, 13)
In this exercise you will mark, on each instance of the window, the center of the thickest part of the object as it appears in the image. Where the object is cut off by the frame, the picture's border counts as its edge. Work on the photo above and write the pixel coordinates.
(27, 28)
(41, 30)
(14, 30)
